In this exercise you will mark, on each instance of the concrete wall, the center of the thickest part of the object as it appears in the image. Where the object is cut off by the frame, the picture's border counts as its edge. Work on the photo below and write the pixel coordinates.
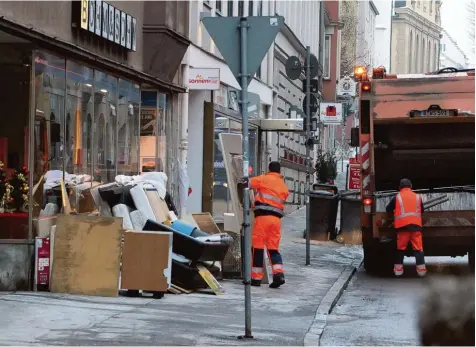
(15, 266)
(54, 19)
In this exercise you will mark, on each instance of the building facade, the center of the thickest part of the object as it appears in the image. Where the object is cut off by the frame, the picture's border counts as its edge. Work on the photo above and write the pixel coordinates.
(84, 92)
(416, 30)
(213, 112)
(451, 54)
(332, 68)
(383, 34)
(365, 52)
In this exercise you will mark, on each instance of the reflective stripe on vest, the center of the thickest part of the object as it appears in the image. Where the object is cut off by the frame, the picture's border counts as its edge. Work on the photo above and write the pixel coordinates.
(269, 209)
(270, 197)
(404, 214)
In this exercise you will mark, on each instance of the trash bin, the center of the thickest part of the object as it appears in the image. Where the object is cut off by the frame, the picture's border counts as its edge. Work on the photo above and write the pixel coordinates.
(350, 226)
(323, 205)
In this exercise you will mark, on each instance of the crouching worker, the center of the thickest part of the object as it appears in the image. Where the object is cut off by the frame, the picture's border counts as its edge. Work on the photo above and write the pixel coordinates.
(270, 196)
(407, 208)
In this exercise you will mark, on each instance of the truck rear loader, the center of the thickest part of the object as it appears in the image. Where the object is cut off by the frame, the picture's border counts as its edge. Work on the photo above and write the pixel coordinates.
(419, 127)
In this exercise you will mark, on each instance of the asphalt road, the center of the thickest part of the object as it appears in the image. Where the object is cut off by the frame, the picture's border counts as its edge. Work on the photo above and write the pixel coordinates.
(383, 311)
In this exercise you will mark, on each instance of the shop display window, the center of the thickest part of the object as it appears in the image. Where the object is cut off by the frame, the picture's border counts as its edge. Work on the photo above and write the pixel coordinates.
(104, 127)
(153, 142)
(128, 125)
(78, 147)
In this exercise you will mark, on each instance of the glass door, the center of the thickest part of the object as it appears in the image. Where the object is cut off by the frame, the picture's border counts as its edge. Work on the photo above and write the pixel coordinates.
(221, 194)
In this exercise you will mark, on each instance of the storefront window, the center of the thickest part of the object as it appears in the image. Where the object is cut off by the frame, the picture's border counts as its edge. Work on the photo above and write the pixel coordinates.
(128, 124)
(104, 127)
(153, 144)
(79, 113)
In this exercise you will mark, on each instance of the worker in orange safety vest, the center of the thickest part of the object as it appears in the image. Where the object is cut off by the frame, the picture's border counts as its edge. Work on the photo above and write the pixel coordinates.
(270, 196)
(407, 208)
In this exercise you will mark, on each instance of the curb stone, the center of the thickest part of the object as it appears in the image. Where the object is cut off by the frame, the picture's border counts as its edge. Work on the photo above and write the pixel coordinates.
(313, 336)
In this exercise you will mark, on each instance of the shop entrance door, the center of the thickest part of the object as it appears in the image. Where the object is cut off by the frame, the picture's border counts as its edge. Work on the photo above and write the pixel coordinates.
(221, 199)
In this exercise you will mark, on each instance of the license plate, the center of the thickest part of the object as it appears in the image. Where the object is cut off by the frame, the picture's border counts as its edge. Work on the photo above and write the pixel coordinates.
(435, 113)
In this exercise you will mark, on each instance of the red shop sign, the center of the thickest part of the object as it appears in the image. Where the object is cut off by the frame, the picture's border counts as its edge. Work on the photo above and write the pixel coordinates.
(353, 177)
(42, 263)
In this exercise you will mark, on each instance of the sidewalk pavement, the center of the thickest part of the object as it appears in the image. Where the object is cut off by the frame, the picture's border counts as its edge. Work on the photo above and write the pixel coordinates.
(286, 316)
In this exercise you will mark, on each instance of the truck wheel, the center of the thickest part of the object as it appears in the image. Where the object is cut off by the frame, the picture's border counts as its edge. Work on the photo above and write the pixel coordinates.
(378, 261)
(471, 260)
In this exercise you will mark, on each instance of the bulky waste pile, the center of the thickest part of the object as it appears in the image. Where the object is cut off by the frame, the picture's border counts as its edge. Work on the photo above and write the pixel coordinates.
(144, 204)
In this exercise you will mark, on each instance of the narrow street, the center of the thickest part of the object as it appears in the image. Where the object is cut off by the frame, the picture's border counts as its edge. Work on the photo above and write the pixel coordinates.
(384, 311)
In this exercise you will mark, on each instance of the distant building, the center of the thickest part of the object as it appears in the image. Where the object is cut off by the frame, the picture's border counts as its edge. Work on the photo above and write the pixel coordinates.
(451, 55)
(416, 28)
(383, 33)
(365, 51)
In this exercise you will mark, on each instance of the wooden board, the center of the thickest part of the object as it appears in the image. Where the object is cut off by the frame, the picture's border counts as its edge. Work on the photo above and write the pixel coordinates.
(65, 199)
(206, 223)
(232, 152)
(145, 260)
(156, 203)
(207, 276)
(87, 255)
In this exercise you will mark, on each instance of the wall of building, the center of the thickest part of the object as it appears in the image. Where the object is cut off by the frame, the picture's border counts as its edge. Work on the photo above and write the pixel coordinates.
(365, 52)
(383, 31)
(415, 43)
(54, 18)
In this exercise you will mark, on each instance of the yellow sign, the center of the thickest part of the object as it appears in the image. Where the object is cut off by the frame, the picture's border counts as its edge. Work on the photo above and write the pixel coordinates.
(84, 14)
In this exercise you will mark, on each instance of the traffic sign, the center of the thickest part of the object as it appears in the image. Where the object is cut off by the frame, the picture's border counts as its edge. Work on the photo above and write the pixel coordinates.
(314, 64)
(313, 103)
(293, 67)
(225, 32)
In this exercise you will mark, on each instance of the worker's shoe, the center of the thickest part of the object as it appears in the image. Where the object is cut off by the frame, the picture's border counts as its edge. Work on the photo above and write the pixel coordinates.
(421, 270)
(256, 283)
(278, 280)
(398, 270)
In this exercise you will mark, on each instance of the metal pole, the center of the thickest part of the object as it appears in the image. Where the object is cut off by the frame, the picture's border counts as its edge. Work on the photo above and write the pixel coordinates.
(246, 191)
(308, 154)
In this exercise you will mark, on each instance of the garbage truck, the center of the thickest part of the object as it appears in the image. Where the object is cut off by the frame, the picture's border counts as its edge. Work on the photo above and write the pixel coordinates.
(419, 127)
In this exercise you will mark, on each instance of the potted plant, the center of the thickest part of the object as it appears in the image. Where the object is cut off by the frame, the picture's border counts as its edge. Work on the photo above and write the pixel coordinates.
(326, 167)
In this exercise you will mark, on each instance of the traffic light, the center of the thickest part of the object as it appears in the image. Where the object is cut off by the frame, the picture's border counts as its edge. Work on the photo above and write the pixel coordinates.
(313, 124)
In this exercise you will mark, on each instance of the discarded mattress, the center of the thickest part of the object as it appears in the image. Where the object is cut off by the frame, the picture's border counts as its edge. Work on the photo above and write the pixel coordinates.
(189, 247)
(142, 203)
(123, 211)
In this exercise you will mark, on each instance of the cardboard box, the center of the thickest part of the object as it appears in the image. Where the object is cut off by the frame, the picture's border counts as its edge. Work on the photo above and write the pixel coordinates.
(147, 261)
(43, 225)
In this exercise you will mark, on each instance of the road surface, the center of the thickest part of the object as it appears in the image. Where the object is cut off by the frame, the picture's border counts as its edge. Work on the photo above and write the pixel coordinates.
(383, 311)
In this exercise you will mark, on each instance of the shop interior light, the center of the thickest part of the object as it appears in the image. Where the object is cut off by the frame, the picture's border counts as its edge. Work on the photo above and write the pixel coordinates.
(88, 85)
(103, 90)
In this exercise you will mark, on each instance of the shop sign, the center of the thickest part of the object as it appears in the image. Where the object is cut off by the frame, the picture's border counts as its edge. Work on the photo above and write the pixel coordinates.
(204, 79)
(353, 177)
(42, 262)
(104, 20)
(330, 112)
